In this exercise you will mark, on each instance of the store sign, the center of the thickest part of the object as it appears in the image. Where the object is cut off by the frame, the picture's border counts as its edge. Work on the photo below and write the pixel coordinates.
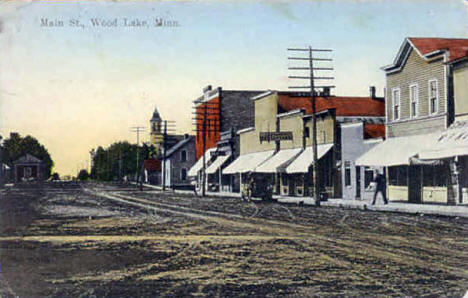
(276, 136)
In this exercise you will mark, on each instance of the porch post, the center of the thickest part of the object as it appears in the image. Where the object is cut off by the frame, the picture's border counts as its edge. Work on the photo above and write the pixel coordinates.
(453, 185)
(220, 180)
(387, 182)
(240, 183)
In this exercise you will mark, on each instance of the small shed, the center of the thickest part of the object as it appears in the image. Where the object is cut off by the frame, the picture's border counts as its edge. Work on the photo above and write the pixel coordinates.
(152, 171)
(28, 168)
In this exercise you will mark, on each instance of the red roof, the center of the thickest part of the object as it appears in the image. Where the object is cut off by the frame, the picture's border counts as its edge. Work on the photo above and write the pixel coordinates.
(344, 105)
(152, 165)
(374, 131)
(457, 47)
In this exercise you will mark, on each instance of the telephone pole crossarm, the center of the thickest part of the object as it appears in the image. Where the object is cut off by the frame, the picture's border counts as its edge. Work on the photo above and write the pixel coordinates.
(312, 87)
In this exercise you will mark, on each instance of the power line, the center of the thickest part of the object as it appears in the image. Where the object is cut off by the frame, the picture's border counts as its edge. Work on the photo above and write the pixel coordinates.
(138, 129)
(207, 120)
(312, 86)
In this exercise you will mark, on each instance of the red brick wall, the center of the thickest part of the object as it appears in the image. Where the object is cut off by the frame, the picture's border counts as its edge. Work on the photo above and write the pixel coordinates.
(212, 125)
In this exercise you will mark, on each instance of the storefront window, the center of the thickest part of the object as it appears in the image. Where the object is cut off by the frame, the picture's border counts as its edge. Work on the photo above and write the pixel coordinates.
(434, 176)
(398, 176)
(368, 176)
(284, 180)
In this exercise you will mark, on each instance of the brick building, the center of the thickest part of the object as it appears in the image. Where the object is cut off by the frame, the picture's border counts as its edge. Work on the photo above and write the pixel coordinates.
(223, 112)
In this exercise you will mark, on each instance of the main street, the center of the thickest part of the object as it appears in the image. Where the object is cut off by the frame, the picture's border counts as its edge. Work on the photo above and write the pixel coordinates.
(68, 239)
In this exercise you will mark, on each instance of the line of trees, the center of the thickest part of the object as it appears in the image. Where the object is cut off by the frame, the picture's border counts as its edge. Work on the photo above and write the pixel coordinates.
(118, 160)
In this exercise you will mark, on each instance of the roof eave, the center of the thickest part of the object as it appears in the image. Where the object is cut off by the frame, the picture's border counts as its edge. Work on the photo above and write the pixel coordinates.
(262, 95)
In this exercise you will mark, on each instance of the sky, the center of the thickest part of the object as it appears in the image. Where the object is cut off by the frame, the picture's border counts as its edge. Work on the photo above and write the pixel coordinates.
(75, 88)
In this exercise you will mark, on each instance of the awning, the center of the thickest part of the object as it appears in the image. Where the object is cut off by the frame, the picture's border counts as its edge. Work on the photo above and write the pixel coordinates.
(247, 162)
(219, 161)
(302, 163)
(277, 160)
(396, 151)
(452, 142)
(199, 164)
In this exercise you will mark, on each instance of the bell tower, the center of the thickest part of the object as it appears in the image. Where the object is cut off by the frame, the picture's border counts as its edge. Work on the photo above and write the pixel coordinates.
(156, 133)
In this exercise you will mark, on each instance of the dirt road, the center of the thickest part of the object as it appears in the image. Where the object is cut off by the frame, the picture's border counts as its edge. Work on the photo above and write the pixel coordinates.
(80, 240)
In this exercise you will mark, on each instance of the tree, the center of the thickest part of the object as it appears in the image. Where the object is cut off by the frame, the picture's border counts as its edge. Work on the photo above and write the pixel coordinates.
(55, 176)
(117, 160)
(83, 175)
(16, 146)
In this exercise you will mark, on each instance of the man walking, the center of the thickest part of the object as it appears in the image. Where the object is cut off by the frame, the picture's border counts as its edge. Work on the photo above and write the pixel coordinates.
(380, 187)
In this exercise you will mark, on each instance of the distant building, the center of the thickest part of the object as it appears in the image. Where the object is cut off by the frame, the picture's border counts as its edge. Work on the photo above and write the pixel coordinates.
(156, 131)
(223, 113)
(29, 168)
(152, 171)
(157, 134)
(177, 162)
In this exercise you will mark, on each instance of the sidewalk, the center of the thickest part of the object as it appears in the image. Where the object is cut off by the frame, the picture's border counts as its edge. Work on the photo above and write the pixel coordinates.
(443, 210)
(208, 193)
(433, 209)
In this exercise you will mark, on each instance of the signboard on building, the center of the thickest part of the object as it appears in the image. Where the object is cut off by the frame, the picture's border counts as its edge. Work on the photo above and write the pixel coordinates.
(276, 136)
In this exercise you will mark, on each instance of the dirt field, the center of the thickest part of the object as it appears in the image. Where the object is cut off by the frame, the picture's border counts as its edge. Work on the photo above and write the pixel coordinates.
(70, 240)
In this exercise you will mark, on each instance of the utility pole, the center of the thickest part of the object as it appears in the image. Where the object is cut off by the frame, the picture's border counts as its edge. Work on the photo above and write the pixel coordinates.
(204, 111)
(120, 164)
(164, 155)
(311, 78)
(138, 129)
(169, 126)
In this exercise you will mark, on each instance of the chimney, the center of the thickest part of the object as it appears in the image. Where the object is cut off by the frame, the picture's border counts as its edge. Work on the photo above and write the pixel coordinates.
(207, 88)
(372, 91)
(326, 91)
(186, 136)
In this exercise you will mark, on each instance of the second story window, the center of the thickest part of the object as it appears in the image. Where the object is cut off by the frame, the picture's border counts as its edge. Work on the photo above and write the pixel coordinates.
(396, 103)
(414, 99)
(183, 155)
(433, 96)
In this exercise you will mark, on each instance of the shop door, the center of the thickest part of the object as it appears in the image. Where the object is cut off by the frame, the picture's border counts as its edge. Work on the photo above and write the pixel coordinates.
(358, 182)
(414, 184)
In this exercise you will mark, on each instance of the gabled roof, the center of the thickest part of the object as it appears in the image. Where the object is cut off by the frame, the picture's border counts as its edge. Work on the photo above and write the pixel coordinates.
(28, 158)
(428, 48)
(456, 47)
(178, 146)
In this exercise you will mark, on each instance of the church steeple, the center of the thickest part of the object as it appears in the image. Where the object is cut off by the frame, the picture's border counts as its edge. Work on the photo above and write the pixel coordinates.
(156, 133)
(156, 117)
